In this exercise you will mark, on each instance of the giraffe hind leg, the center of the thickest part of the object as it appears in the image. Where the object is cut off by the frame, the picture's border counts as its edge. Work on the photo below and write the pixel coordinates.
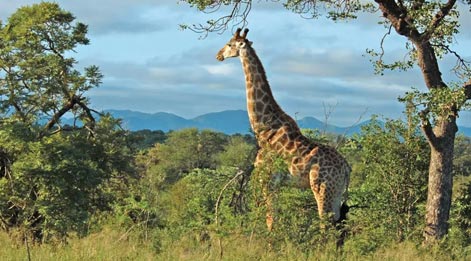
(317, 188)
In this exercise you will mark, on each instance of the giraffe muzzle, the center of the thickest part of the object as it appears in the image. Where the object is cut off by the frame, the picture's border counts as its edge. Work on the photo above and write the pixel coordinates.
(220, 57)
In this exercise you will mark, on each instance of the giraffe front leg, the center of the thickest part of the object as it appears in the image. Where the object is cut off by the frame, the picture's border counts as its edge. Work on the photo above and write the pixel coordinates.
(263, 172)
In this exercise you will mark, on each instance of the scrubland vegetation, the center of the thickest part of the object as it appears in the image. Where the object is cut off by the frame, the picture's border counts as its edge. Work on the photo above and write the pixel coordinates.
(165, 205)
(89, 190)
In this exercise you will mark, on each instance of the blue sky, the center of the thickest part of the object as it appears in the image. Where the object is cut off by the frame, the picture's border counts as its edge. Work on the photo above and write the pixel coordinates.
(315, 66)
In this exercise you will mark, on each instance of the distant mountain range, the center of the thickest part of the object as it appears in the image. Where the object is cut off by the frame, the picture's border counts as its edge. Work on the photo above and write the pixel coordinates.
(229, 122)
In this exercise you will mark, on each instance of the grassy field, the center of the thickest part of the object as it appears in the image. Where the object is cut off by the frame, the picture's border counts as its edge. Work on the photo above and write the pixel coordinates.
(112, 245)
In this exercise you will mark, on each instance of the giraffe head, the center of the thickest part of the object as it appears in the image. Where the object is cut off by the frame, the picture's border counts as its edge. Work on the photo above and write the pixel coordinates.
(233, 47)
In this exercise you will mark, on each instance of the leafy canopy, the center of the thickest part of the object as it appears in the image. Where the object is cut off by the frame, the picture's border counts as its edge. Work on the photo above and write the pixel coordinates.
(38, 81)
(54, 176)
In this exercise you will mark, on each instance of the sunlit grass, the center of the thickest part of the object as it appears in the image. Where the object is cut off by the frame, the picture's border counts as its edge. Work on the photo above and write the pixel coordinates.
(110, 244)
(105, 245)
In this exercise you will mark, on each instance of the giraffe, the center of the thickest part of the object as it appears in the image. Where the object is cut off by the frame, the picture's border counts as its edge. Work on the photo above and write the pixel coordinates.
(318, 166)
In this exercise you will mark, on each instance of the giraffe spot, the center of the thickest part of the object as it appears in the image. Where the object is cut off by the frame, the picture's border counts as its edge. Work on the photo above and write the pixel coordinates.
(313, 152)
(266, 99)
(259, 106)
(290, 146)
(258, 94)
(258, 78)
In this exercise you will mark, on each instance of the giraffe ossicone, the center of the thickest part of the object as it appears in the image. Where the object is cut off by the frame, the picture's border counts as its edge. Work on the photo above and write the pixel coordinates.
(322, 167)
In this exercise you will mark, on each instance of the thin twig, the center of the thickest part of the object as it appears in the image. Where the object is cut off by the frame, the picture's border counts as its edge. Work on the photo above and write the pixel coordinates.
(351, 126)
(218, 202)
(27, 246)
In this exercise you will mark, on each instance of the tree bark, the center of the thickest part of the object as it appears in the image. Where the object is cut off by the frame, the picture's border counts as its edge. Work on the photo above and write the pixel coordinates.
(440, 181)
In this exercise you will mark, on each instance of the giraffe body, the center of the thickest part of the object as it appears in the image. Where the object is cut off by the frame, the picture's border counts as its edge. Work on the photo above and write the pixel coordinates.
(319, 166)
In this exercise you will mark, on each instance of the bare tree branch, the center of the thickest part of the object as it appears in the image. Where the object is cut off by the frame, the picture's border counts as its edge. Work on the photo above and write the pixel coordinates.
(398, 18)
(381, 45)
(462, 68)
(88, 111)
(218, 201)
(55, 118)
(238, 16)
(74, 100)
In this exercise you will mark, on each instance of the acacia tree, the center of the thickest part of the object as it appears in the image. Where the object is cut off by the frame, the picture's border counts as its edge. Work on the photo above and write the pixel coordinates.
(429, 27)
(39, 83)
(54, 174)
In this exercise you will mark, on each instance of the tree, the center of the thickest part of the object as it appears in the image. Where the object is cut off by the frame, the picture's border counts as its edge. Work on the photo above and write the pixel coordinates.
(54, 173)
(183, 151)
(462, 160)
(393, 165)
(195, 183)
(429, 27)
(39, 82)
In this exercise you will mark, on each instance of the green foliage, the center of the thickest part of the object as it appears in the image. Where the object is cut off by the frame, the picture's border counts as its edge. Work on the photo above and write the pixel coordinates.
(461, 213)
(53, 181)
(335, 10)
(380, 65)
(334, 140)
(188, 149)
(422, 18)
(387, 200)
(203, 4)
(53, 185)
(237, 153)
(192, 194)
(38, 78)
(393, 167)
(462, 159)
(183, 180)
(182, 152)
(145, 139)
(192, 200)
(296, 218)
(437, 103)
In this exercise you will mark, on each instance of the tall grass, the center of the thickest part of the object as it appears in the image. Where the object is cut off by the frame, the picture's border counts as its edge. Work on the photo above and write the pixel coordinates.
(104, 245)
(110, 244)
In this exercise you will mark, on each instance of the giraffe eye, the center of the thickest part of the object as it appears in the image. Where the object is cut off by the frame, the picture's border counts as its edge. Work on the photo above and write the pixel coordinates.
(230, 45)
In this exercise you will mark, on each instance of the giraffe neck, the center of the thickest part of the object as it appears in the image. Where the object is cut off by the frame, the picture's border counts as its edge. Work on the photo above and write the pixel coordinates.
(262, 108)
(270, 123)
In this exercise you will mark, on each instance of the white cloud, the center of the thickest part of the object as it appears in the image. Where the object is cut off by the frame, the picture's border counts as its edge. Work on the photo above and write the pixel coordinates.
(151, 66)
(220, 69)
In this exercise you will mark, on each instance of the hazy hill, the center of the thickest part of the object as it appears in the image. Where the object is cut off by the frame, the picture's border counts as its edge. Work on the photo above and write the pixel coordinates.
(229, 122)
(164, 121)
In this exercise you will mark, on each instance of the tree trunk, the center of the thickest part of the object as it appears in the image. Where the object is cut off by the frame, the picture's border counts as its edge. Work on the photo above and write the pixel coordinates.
(440, 181)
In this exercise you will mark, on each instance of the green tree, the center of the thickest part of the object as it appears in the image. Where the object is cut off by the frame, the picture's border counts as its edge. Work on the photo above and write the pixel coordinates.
(184, 151)
(239, 155)
(54, 175)
(145, 139)
(393, 166)
(182, 194)
(461, 213)
(39, 83)
(462, 160)
(429, 28)
(163, 166)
